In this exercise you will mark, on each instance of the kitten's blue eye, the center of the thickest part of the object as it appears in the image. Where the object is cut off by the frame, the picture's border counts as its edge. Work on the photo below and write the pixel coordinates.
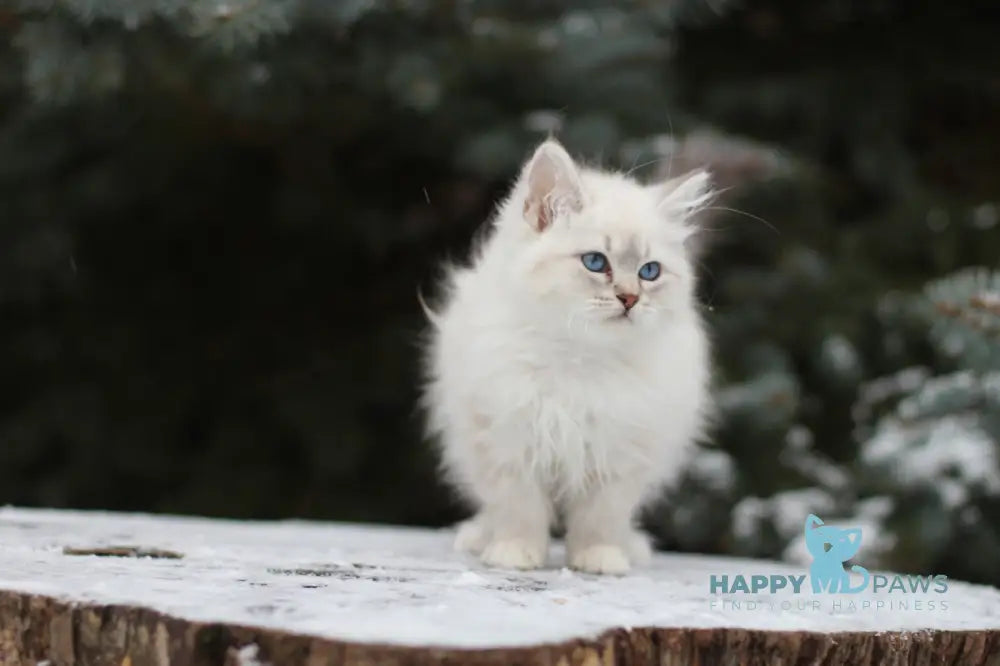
(595, 261)
(650, 271)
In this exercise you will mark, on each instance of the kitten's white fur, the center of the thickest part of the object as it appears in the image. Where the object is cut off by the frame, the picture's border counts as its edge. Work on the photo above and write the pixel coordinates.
(547, 401)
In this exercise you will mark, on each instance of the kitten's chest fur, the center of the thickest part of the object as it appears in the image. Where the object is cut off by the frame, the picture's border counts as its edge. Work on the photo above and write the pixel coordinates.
(572, 412)
(583, 415)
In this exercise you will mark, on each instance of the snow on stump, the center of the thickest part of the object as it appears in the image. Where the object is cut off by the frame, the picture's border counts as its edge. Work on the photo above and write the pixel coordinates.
(81, 588)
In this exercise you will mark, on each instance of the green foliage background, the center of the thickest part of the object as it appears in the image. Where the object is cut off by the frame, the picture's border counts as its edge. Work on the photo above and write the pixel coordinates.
(214, 216)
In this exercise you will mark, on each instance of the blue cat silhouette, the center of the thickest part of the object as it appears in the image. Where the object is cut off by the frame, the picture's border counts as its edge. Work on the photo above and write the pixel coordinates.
(830, 547)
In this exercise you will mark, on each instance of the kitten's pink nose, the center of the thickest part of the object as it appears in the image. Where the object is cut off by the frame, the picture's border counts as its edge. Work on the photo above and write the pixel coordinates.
(628, 300)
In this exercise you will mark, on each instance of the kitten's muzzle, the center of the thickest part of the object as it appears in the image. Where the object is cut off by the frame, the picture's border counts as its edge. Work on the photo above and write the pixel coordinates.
(628, 300)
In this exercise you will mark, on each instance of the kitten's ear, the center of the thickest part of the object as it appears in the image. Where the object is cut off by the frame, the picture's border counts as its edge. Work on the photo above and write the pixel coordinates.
(680, 199)
(551, 185)
(685, 195)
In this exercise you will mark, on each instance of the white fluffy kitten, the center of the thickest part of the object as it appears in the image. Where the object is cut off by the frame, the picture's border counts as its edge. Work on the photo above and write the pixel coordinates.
(568, 369)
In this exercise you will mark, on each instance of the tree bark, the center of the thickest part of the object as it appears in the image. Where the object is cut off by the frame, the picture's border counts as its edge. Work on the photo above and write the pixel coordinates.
(35, 629)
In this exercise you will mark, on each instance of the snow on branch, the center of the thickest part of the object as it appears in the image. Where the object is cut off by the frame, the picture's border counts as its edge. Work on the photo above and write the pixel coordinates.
(967, 309)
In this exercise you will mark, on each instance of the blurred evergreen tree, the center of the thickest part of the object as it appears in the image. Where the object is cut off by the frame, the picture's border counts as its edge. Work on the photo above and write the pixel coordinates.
(926, 483)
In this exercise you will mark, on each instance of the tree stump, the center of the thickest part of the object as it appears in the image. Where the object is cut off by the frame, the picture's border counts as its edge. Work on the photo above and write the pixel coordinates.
(80, 588)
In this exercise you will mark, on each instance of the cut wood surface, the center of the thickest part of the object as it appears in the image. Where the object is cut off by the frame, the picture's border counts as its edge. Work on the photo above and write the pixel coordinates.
(134, 590)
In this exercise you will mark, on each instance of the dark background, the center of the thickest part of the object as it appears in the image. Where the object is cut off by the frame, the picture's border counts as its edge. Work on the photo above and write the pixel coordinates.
(213, 225)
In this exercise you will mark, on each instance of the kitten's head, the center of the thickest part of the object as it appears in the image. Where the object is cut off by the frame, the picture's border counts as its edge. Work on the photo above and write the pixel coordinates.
(601, 249)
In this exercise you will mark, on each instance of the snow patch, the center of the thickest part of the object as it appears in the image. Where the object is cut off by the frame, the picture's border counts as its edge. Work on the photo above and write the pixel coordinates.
(249, 655)
(406, 586)
(988, 300)
(798, 454)
(880, 390)
(952, 455)
(840, 354)
(785, 510)
(469, 578)
(714, 469)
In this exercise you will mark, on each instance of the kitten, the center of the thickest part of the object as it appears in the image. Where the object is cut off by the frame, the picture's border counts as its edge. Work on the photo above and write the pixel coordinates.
(568, 368)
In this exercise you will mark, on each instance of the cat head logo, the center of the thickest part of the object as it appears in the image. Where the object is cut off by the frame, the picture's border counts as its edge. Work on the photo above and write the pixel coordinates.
(830, 547)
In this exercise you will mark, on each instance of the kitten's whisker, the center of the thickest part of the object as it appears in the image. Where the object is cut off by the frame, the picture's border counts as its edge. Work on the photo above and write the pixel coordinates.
(743, 212)
(647, 163)
(634, 160)
(670, 127)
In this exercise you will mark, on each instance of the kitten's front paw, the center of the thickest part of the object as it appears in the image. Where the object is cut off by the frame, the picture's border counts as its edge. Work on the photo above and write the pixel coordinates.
(472, 536)
(514, 554)
(600, 559)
